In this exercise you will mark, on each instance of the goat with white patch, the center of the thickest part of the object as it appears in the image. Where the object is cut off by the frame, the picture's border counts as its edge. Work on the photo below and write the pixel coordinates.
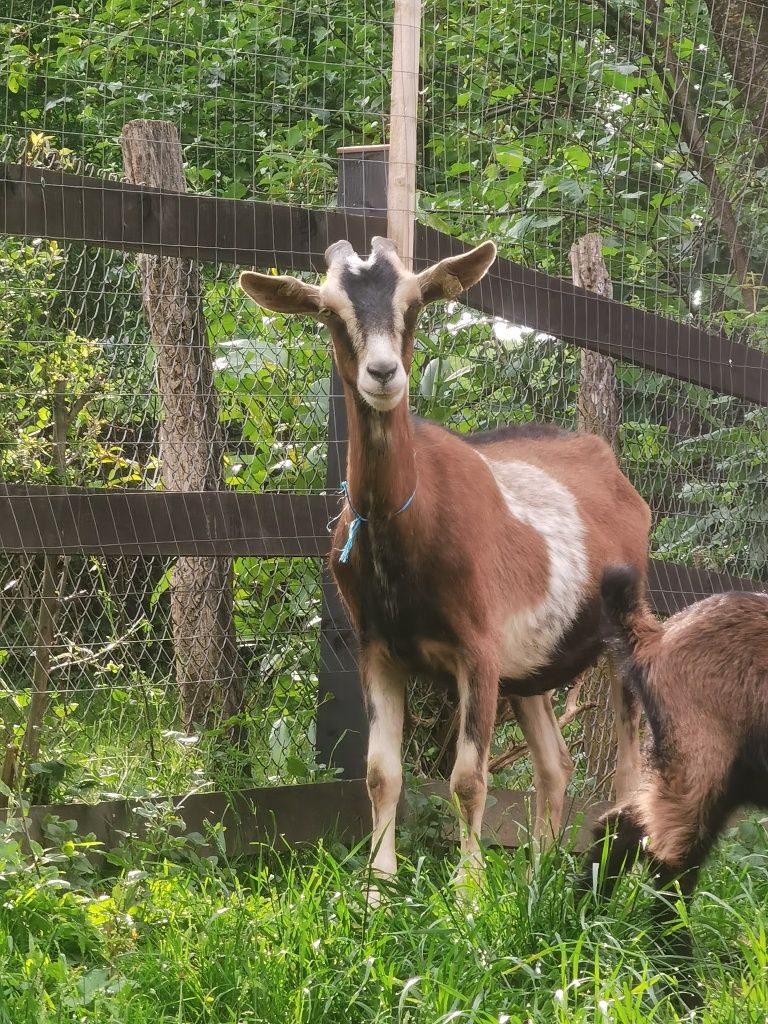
(702, 679)
(469, 560)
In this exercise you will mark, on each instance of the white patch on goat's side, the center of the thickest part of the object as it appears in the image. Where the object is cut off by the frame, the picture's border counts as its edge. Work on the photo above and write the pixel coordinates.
(540, 501)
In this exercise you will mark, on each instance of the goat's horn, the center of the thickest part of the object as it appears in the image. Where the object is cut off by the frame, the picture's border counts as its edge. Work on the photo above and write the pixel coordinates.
(378, 242)
(337, 251)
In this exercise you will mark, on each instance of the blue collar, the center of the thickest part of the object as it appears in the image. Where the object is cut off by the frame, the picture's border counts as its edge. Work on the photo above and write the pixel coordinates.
(354, 526)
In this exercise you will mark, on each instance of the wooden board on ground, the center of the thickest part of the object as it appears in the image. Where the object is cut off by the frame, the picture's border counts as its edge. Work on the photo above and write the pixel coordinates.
(285, 817)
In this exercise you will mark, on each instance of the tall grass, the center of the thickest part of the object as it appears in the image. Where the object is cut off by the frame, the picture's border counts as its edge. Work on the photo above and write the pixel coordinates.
(290, 939)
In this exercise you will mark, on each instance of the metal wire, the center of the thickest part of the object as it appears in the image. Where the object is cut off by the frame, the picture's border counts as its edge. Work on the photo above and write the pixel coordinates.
(537, 125)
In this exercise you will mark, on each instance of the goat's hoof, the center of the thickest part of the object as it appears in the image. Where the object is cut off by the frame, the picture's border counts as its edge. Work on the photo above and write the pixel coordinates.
(468, 882)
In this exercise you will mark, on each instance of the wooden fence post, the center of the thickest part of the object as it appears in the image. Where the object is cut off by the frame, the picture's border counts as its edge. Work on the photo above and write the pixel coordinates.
(342, 727)
(207, 663)
(598, 406)
(403, 123)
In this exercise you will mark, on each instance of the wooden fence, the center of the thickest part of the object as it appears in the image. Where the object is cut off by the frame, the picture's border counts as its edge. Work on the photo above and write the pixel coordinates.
(75, 208)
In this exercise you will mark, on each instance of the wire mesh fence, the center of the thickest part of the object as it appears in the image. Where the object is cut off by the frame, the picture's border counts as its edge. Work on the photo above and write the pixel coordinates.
(540, 122)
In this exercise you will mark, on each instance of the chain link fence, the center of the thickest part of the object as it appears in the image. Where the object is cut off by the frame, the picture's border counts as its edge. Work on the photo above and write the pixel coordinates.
(531, 135)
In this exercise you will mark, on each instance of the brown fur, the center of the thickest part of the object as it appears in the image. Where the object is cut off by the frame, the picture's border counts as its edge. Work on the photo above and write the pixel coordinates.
(702, 678)
(507, 568)
(433, 591)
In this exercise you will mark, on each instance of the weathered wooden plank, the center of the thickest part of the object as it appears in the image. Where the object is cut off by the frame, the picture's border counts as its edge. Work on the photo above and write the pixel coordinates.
(51, 204)
(509, 815)
(36, 202)
(166, 523)
(281, 816)
(555, 306)
(672, 586)
(342, 724)
(289, 816)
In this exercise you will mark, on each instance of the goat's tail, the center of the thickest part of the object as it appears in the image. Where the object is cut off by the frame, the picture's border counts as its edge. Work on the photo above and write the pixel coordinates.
(631, 626)
(634, 634)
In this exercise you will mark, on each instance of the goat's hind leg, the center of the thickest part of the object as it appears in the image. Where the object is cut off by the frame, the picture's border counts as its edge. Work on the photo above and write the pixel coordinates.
(626, 716)
(478, 696)
(552, 764)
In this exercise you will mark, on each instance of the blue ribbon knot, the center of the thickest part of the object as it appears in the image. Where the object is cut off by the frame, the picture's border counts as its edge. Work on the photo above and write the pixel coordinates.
(357, 519)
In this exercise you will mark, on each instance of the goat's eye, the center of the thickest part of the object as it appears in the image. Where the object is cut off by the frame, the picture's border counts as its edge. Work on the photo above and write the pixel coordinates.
(324, 312)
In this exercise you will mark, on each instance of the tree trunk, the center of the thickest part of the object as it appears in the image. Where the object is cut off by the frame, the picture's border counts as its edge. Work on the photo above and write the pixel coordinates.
(684, 108)
(52, 589)
(207, 665)
(598, 407)
(598, 399)
(741, 28)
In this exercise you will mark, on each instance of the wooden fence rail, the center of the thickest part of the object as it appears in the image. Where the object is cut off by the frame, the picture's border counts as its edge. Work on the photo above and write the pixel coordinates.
(170, 523)
(132, 218)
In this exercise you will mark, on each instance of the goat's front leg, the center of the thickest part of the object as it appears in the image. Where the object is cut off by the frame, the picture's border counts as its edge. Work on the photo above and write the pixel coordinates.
(552, 764)
(478, 696)
(384, 687)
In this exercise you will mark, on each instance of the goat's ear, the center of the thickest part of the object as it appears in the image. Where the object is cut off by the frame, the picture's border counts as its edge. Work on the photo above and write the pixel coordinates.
(281, 294)
(451, 276)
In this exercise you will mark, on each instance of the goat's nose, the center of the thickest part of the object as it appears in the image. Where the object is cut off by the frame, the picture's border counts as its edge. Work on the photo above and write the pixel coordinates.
(382, 370)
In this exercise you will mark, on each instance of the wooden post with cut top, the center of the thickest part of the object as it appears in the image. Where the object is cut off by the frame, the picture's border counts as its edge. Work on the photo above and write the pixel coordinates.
(403, 123)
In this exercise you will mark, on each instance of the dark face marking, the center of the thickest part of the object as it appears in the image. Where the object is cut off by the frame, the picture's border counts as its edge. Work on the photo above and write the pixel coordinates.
(371, 291)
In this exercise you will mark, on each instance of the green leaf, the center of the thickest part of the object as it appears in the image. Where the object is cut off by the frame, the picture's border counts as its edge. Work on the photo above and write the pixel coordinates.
(547, 222)
(578, 157)
(545, 85)
(511, 157)
(521, 225)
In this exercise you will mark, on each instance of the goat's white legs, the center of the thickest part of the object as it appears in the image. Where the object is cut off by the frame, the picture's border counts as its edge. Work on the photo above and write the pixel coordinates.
(552, 764)
(385, 701)
(478, 696)
(626, 713)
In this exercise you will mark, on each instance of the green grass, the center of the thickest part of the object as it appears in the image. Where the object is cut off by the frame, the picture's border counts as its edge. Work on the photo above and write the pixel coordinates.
(290, 939)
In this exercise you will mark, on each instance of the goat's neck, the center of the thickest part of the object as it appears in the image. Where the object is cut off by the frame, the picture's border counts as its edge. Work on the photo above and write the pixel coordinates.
(381, 463)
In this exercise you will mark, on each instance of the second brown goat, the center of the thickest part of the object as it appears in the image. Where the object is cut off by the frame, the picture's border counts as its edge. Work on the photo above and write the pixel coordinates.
(702, 679)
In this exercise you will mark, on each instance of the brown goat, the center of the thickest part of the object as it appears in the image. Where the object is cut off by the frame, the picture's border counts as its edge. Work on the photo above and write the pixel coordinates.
(468, 560)
(702, 679)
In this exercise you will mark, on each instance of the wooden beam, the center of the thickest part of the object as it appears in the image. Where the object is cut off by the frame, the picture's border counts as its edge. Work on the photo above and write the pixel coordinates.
(342, 724)
(284, 817)
(557, 307)
(167, 523)
(40, 203)
(63, 520)
(672, 586)
(279, 816)
(69, 207)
